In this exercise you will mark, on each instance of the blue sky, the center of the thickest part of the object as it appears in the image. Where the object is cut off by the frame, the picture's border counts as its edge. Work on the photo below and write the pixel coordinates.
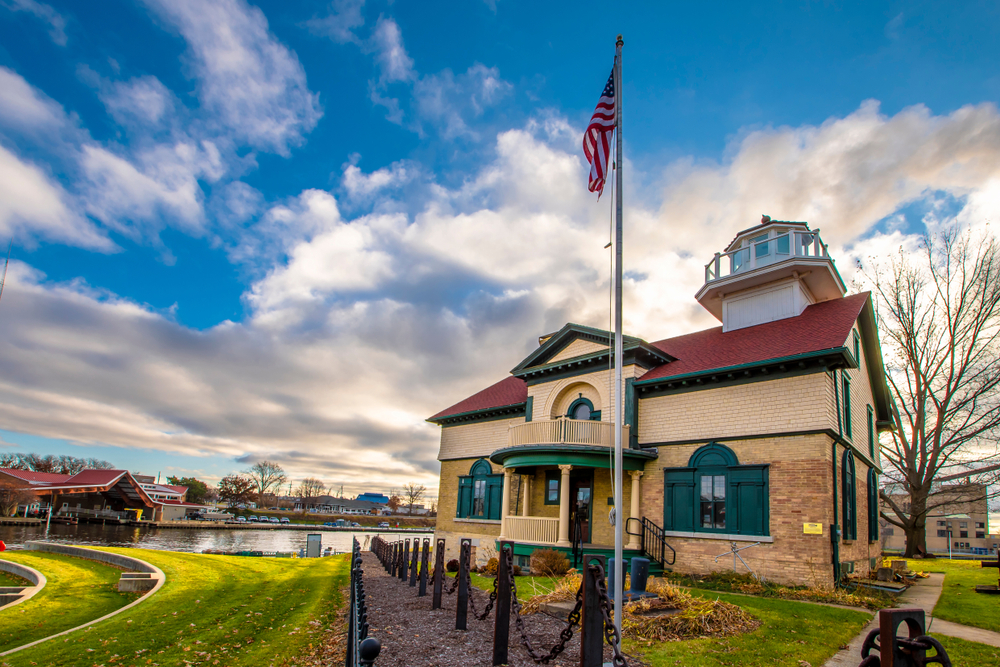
(294, 230)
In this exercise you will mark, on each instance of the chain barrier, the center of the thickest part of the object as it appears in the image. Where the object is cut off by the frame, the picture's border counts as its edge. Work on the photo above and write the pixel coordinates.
(913, 649)
(564, 635)
(607, 611)
(489, 605)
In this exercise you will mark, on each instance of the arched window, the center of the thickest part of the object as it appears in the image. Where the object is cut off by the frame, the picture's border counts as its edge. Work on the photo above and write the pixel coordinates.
(872, 505)
(850, 491)
(584, 410)
(480, 493)
(715, 494)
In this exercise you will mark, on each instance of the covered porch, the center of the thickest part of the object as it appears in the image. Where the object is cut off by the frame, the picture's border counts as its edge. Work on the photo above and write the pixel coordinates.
(559, 493)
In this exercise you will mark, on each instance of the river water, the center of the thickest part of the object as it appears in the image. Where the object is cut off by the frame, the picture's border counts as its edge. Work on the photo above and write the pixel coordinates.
(187, 539)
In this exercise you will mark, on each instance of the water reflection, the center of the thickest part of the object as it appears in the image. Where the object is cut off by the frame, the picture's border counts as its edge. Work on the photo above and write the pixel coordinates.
(187, 539)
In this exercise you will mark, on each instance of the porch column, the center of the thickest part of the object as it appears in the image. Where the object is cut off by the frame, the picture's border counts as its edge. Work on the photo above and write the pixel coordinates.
(564, 506)
(633, 540)
(526, 500)
(505, 503)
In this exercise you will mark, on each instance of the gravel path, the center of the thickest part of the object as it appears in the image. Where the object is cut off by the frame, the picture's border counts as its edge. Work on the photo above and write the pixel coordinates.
(413, 635)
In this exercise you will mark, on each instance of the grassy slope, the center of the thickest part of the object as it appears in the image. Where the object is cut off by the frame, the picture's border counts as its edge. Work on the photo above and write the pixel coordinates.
(791, 632)
(212, 610)
(959, 602)
(77, 591)
(8, 579)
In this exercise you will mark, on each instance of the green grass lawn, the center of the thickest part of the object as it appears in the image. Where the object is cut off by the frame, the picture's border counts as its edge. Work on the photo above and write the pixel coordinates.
(8, 579)
(213, 610)
(791, 632)
(77, 591)
(962, 652)
(527, 586)
(959, 602)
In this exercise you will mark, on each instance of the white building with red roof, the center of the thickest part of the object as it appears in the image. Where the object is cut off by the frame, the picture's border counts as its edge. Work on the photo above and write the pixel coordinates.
(761, 430)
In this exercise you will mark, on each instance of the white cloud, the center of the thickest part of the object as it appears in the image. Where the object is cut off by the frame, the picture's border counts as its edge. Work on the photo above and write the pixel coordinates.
(25, 108)
(250, 84)
(32, 205)
(339, 24)
(45, 13)
(361, 186)
(142, 101)
(451, 102)
(390, 55)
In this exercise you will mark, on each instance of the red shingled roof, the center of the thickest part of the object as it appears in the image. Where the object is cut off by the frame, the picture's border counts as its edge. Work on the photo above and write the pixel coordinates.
(95, 477)
(821, 326)
(509, 391)
(31, 476)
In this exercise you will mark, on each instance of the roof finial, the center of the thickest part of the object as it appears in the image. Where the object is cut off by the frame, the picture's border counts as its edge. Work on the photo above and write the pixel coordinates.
(764, 219)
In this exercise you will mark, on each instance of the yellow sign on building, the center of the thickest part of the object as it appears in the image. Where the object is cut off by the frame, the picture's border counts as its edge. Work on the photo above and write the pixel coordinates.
(812, 528)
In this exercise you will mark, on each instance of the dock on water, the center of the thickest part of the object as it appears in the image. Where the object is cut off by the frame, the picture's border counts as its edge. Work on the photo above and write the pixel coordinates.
(18, 521)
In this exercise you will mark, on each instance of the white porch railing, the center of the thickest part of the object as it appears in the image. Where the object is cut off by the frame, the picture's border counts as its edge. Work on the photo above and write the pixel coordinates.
(767, 251)
(564, 431)
(535, 529)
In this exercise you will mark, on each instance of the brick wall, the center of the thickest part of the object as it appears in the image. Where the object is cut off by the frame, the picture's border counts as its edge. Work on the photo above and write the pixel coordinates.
(578, 348)
(474, 440)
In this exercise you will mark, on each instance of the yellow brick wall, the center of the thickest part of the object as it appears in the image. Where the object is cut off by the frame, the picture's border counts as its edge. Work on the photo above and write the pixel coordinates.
(578, 348)
(447, 526)
(552, 399)
(800, 491)
(476, 439)
(772, 406)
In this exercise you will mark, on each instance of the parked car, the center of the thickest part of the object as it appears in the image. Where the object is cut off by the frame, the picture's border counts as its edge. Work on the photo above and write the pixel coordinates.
(284, 519)
(384, 524)
(274, 519)
(252, 517)
(355, 524)
(241, 519)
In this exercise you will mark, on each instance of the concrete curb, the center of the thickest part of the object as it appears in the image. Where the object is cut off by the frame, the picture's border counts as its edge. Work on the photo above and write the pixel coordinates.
(110, 558)
(25, 572)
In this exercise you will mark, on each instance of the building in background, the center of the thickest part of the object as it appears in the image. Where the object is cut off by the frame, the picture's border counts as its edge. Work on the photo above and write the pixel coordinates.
(958, 519)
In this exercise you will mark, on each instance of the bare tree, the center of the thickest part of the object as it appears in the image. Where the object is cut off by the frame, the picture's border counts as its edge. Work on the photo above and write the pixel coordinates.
(65, 465)
(310, 487)
(939, 317)
(12, 495)
(412, 493)
(265, 476)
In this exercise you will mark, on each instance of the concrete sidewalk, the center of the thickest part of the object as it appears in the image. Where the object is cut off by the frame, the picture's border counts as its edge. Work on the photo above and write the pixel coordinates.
(923, 595)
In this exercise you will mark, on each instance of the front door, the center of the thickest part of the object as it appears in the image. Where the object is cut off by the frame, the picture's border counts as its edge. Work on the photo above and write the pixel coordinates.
(581, 503)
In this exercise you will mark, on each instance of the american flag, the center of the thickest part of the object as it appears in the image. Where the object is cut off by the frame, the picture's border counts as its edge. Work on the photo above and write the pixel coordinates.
(597, 138)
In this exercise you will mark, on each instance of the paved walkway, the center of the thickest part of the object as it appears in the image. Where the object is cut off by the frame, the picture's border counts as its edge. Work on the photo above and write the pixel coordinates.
(923, 595)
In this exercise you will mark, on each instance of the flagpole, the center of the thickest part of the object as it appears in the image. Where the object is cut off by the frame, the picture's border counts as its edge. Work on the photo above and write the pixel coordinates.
(619, 403)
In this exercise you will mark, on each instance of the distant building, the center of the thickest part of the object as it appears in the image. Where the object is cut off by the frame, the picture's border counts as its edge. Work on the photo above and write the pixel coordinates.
(103, 494)
(377, 498)
(334, 505)
(958, 515)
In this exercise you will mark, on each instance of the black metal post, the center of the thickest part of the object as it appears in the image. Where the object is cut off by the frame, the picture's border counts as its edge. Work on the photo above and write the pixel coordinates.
(438, 574)
(424, 558)
(592, 621)
(393, 559)
(462, 608)
(501, 629)
(404, 564)
(413, 564)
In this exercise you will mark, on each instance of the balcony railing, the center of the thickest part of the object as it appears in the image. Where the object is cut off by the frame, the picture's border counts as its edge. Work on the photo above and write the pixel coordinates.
(564, 431)
(761, 253)
(535, 529)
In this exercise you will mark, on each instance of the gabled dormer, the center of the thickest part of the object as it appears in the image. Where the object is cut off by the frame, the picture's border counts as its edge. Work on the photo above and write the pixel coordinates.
(769, 272)
(576, 349)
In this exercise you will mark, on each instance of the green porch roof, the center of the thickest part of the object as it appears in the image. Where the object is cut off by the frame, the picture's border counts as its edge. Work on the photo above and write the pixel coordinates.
(584, 456)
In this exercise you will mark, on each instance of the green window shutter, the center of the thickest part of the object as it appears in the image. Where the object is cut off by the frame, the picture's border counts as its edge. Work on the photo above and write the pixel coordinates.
(871, 432)
(631, 413)
(678, 499)
(529, 407)
(464, 505)
(850, 491)
(748, 512)
(848, 418)
(494, 496)
(872, 506)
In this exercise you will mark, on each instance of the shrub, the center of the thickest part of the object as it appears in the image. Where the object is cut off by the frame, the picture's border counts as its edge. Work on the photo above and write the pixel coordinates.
(452, 565)
(517, 570)
(549, 563)
(490, 569)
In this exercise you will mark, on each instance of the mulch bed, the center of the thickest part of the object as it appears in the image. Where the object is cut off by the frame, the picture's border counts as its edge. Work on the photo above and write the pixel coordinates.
(414, 635)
